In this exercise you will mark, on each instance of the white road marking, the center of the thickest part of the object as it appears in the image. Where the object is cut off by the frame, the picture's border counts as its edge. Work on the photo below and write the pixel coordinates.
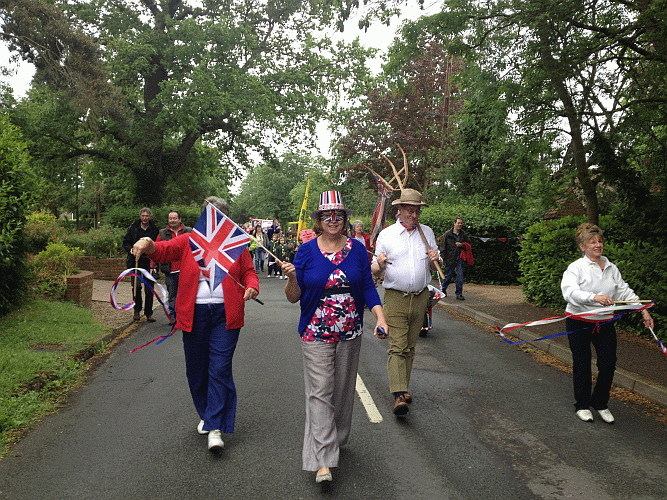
(366, 399)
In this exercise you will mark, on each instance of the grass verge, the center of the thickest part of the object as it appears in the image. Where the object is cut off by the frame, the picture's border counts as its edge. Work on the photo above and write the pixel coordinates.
(44, 347)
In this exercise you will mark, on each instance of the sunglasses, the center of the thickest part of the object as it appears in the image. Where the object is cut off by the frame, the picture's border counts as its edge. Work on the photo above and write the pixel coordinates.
(332, 216)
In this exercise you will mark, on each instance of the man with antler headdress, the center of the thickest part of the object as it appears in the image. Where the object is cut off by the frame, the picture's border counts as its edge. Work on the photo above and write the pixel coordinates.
(405, 253)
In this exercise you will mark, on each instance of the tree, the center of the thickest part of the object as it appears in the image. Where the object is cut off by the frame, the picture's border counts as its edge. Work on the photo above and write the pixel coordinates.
(563, 66)
(413, 110)
(241, 76)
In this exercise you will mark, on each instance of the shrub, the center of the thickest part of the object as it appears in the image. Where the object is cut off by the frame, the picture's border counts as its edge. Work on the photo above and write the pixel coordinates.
(123, 217)
(103, 242)
(496, 260)
(16, 184)
(547, 250)
(41, 229)
(50, 269)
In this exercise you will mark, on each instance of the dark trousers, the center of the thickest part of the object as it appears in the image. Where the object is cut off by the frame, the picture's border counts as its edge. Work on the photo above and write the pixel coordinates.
(209, 349)
(449, 273)
(171, 280)
(603, 339)
(138, 302)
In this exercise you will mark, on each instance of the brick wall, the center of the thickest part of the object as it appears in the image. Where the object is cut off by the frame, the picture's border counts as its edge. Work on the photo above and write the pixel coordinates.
(80, 288)
(104, 269)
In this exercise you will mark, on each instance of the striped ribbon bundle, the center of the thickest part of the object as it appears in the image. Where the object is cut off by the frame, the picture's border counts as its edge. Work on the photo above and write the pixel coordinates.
(145, 277)
(602, 312)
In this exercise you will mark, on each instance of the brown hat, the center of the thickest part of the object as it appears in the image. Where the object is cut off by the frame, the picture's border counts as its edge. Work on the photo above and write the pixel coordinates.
(410, 197)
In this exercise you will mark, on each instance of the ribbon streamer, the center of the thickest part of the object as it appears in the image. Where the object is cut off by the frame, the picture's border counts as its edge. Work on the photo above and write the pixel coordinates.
(585, 316)
(145, 277)
(662, 347)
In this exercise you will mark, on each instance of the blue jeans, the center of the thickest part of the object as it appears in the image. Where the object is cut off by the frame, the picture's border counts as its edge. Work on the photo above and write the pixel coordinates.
(449, 272)
(259, 259)
(209, 349)
(171, 280)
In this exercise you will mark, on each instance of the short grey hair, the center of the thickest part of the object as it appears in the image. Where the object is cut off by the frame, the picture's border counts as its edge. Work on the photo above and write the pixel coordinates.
(218, 203)
(146, 210)
(358, 223)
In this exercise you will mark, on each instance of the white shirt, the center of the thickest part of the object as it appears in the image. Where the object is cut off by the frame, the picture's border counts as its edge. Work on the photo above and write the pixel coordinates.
(408, 265)
(583, 280)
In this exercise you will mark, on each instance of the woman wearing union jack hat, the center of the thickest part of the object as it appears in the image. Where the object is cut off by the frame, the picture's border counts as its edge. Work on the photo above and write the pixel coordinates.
(210, 311)
(331, 276)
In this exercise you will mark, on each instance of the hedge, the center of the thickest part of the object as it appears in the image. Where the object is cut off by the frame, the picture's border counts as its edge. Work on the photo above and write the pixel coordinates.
(496, 261)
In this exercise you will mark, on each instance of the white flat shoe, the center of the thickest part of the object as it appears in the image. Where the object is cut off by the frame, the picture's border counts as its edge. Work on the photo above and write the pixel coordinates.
(584, 415)
(200, 428)
(215, 440)
(606, 415)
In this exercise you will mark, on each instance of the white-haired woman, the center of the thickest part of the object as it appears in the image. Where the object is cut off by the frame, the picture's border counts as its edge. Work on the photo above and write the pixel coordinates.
(589, 282)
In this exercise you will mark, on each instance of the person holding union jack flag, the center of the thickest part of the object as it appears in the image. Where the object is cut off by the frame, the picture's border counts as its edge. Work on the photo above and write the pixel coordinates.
(217, 278)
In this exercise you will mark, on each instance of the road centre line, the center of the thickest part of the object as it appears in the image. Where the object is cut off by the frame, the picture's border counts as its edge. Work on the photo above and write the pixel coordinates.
(366, 399)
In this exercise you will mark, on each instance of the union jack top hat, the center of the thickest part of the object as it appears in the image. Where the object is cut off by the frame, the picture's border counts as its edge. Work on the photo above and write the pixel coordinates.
(330, 200)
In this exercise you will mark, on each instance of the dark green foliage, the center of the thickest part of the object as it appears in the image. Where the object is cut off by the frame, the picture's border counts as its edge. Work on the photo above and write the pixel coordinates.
(104, 242)
(41, 228)
(16, 183)
(123, 217)
(547, 250)
(495, 261)
(50, 270)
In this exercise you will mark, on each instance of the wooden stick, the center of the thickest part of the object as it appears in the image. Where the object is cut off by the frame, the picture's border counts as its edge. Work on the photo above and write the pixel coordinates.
(631, 301)
(136, 264)
(437, 264)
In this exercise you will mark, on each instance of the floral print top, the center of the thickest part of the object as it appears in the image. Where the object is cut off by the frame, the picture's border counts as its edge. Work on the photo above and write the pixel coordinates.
(336, 317)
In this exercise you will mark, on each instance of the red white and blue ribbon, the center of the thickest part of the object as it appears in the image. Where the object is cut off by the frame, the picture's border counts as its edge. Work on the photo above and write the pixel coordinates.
(600, 316)
(662, 347)
(145, 277)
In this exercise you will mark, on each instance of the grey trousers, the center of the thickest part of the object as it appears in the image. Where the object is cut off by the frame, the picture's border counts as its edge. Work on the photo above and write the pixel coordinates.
(330, 376)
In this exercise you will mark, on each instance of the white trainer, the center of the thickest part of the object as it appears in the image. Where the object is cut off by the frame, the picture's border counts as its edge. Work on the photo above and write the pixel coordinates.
(606, 416)
(200, 428)
(215, 440)
(585, 415)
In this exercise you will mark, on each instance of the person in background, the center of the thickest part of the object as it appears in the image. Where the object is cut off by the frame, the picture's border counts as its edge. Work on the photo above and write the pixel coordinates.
(451, 245)
(171, 269)
(591, 282)
(280, 250)
(363, 238)
(259, 250)
(211, 320)
(141, 228)
(332, 279)
(271, 264)
(406, 263)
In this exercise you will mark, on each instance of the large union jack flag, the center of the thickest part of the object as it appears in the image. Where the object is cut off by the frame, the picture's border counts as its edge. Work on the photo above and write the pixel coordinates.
(216, 242)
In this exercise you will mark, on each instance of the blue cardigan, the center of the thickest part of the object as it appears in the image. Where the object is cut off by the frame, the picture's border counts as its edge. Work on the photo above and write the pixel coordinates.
(313, 270)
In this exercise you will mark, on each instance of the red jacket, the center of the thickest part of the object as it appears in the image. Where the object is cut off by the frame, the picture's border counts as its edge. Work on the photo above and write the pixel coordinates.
(188, 282)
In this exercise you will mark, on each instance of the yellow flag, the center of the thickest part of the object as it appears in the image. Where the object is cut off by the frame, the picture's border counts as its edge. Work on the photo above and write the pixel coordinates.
(302, 215)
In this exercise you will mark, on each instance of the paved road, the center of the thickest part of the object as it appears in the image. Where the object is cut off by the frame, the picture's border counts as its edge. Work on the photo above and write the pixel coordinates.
(487, 422)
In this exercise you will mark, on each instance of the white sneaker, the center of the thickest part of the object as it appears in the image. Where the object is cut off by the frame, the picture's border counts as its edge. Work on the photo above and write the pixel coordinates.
(606, 416)
(585, 415)
(200, 428)
(215, 440)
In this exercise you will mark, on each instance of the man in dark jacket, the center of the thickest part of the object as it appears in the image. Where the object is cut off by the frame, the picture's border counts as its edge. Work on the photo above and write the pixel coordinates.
(144, 227)
(451, 244)
(172, 269)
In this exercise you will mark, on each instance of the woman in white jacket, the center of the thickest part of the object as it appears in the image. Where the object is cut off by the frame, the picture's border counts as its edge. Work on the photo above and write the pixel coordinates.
(589, 282)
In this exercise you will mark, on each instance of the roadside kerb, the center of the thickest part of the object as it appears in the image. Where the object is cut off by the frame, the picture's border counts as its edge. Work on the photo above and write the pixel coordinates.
(622, 378)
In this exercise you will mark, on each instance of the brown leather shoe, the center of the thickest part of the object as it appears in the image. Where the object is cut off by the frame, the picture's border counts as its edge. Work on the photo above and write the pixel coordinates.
(137, 316)
(401, 406)
(150, 319)
(408, 397)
